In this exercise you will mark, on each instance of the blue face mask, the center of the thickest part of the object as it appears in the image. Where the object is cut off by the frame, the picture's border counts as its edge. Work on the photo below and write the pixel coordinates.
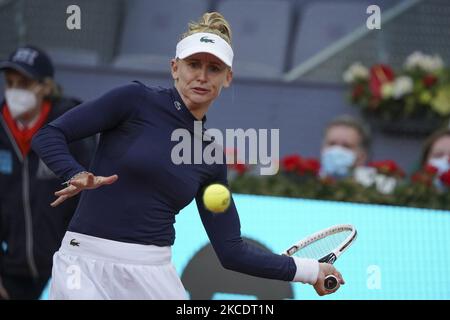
(336, 161)
(440, 163)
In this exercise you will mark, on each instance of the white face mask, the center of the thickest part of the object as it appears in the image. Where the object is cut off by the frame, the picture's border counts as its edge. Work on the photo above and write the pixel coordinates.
(20, 101)
(440, 163)
(337, 160)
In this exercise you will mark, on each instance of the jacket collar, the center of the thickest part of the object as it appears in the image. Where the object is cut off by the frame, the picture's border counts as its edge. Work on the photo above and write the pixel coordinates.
(184, 111)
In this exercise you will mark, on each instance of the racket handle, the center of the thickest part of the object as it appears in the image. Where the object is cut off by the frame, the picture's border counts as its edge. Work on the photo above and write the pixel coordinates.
(331, 282)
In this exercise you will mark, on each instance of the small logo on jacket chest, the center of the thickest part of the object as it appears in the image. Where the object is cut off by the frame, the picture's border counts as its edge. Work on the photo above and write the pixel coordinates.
(6, 163)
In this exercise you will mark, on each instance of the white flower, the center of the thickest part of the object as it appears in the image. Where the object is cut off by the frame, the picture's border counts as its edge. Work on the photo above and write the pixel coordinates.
(402, 86)
(356, 71)
(424, 62)
(414, 60)
(387, 90)
(385, 184)
(433, 63)
(365, 175)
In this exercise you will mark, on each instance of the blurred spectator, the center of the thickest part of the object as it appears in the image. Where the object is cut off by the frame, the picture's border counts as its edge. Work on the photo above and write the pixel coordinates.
(435, 157)
(436, 150)
(345, 146)
(30, 230)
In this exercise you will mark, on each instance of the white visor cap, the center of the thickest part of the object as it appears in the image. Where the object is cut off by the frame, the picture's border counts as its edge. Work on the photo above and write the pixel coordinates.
(205, 42)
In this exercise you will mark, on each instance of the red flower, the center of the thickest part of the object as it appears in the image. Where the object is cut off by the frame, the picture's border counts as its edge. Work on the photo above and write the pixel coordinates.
(291, 163)
(239, 167)
(420, 177)
(388, 167)
(358, 90)
(295, 163)
(309, 166)
(431, 170)
(417, 177)
(445, 178)
(380, 74)
(429, 80)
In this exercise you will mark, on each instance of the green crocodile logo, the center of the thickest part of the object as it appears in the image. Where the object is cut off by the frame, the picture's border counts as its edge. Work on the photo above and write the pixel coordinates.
(206, 40)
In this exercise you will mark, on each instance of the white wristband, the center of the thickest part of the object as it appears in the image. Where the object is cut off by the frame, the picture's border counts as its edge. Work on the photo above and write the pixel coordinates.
(307, 270)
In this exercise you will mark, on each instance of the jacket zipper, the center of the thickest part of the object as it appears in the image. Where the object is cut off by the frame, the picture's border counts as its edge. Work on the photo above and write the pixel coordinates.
(28, 219)
(26, 203)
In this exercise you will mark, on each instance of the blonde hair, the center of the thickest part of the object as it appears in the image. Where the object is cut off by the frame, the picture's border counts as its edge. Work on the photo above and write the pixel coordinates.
(211, 22)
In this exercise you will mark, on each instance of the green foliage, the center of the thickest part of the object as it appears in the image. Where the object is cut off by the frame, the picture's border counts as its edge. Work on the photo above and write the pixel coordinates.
(409, 194)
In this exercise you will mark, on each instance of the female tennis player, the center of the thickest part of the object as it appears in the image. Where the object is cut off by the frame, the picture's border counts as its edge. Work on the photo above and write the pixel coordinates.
(118, 244)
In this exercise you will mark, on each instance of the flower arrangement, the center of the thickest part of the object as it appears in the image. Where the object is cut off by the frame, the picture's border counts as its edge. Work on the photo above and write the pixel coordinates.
(381, 182)
(300, 166)
(430, 177)
(420, 90)
(384, 175)
(388, 168)
(427, 188)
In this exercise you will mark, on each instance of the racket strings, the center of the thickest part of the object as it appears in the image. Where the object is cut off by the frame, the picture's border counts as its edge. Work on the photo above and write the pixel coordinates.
(323, 246)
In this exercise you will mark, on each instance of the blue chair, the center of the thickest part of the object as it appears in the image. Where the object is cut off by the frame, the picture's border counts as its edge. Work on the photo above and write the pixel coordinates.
(324, 22)
(151, 30)
(260, 35)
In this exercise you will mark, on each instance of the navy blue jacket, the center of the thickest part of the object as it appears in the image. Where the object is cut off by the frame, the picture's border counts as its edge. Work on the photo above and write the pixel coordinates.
(30, 230)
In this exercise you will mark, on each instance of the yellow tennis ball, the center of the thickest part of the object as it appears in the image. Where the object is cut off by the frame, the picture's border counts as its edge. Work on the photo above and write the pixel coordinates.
(216, 198)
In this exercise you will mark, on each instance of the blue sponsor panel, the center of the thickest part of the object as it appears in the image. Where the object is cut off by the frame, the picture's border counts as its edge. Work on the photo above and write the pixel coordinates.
(400, 252)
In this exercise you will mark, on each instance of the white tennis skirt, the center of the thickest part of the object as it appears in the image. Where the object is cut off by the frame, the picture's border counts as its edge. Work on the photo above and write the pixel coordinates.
(87, 267)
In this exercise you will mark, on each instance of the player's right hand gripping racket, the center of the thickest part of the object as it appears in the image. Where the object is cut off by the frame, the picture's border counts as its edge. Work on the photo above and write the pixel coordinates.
(326, 246)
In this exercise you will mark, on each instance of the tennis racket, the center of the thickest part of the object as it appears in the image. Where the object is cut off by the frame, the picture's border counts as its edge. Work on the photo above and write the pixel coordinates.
(325, 246)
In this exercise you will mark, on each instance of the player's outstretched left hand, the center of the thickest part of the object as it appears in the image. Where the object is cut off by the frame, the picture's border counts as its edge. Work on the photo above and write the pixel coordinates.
(82, 182)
